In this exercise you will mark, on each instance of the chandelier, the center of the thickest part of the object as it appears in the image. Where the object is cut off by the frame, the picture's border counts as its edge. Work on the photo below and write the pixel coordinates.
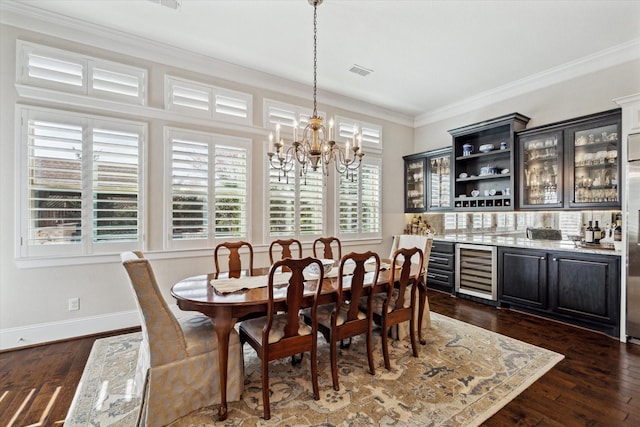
(317, 148)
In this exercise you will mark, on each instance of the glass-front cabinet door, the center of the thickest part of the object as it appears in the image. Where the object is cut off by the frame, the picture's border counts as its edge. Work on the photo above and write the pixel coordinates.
(594, 163)
(541, 175)
(414, 183)
(439, 180)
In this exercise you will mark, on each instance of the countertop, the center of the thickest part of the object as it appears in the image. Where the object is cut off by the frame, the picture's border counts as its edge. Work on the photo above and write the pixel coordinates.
(518, 241)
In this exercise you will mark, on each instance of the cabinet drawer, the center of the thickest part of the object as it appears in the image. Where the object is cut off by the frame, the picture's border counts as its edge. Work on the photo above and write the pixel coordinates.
(439, 277)
(441, 260)
(443, 247)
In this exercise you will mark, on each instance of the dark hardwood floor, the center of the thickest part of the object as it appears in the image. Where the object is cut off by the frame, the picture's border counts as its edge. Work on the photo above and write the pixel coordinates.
(597, 383)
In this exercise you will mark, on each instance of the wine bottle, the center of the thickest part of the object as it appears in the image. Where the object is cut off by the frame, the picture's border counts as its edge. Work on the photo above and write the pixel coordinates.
(597, 233)
(617, 232)
(588, 233)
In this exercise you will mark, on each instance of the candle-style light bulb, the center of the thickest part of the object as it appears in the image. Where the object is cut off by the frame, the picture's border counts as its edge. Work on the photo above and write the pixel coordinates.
(347, 155)
(270, 142)
(331, 129)
(295, 131)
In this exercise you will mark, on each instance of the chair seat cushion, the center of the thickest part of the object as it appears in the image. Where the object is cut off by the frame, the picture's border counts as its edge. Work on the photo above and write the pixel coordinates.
(253, 327)
(378, 301)
(324, 313)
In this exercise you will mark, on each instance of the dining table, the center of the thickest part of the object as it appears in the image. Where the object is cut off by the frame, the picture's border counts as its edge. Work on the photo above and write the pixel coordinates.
(225, 309)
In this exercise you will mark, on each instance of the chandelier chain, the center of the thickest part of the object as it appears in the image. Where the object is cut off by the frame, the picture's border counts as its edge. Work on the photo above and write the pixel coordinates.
(315, 58)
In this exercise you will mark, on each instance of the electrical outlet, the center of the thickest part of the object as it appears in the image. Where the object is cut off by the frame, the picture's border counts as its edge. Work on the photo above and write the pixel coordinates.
(74, 304)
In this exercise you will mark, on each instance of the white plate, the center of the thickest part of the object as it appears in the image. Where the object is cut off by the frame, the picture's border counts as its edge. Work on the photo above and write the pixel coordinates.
(462, 175)
(504, 171)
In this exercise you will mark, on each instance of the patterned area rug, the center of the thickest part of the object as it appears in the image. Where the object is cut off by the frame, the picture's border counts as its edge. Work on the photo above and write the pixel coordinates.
(464, 375)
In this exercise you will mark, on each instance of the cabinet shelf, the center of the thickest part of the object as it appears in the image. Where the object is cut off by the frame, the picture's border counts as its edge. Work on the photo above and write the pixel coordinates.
(487, 154)
(483, 177)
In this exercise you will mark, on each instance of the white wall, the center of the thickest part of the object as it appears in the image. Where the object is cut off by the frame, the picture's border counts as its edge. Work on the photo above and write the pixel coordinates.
(33, 297)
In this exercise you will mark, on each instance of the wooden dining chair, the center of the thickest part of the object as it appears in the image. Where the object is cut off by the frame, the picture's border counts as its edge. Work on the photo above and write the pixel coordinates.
(178, 358)
(282, 333)
(285, 249)
(393, 307)
(327, 244)
(234, 264)
(344, 318)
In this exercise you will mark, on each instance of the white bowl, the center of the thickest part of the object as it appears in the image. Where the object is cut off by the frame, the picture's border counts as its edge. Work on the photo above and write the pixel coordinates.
(327, 265)
(485, 148)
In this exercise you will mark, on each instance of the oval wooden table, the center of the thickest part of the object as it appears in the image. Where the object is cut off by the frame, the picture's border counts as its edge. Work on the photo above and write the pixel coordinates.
(197, 294)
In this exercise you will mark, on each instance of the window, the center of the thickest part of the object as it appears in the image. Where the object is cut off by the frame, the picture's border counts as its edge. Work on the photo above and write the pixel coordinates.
(46, 67)
(296, 205)
(209, 187)
(359, 201)
(371, 133)
(81, 183)
(199, 99)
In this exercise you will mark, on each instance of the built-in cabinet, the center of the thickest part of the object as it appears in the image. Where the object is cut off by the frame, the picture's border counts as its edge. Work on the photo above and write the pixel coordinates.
(441, 269)
(572, 164)
(484, 163)
(578, 288)
(427, 180)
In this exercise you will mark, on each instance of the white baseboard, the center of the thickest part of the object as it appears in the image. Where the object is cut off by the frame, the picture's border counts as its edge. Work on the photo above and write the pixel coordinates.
(12, 338)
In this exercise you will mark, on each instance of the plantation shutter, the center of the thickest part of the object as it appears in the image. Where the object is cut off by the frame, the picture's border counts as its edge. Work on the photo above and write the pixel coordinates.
(191, 97)
(348, 206)
(209, 180)
(65, 71)
(312, 203)
(115, 185)
(370, 204)
(282, 205)
(231, 172)
(359, 201)
(54, 182)
(189, 188)
(111, 82)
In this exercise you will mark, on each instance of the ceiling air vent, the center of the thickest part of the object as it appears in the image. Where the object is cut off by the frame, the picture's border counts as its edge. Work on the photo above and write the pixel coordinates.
(173, 4)
(360, 70)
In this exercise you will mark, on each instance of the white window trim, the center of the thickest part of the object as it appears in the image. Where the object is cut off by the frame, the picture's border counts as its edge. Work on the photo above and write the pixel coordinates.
(23, 250)
(211, 138)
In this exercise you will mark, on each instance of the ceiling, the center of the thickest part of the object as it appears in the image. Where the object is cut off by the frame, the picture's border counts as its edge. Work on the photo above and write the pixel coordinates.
(425, 55)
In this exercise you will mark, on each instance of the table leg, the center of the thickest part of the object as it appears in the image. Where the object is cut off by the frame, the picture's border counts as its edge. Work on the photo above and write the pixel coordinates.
(223, 323)
(422, 295)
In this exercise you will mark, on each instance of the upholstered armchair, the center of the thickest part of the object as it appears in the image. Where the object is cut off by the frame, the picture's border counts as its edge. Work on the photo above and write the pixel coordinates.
(178, 359)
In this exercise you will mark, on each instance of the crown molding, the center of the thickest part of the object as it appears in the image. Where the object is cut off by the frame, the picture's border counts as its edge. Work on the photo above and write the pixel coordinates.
(615, 55)
(25, 16)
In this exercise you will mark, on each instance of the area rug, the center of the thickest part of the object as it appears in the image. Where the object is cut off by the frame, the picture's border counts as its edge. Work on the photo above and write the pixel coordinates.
(464, 374)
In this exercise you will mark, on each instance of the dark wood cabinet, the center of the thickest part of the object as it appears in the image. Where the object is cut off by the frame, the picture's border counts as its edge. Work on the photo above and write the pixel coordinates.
(586, 287)
(441, 268)
(522, 277)
(573, 164)
(578, 288)
(484, 163)
(427, 181)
